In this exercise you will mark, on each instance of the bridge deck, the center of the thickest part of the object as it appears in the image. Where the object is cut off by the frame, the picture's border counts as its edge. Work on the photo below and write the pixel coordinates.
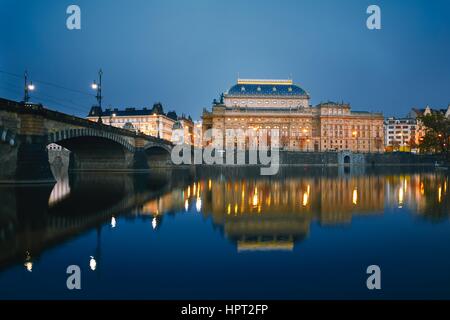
(40, 110)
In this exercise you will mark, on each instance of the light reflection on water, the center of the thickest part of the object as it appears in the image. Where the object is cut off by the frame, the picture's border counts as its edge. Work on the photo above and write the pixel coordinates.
(222, 219)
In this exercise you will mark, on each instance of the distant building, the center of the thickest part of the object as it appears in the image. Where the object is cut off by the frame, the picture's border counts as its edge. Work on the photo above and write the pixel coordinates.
(404, 134)
(401, 134)
(198, 133)
(415, 112)
(183, 131)
(280, 104)
(150, 121)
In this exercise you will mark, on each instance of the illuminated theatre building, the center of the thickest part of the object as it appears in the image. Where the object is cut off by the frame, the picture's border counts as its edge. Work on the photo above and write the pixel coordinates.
(284, 106)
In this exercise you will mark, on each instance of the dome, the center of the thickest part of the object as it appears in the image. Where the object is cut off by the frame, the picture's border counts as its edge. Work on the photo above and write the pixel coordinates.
(266, 88)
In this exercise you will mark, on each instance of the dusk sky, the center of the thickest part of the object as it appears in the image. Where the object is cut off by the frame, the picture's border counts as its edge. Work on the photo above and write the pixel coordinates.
(185, 53)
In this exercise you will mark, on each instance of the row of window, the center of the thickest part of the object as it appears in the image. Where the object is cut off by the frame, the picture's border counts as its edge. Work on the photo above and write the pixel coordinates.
(400, 132)
(402, 127)
(282, 102)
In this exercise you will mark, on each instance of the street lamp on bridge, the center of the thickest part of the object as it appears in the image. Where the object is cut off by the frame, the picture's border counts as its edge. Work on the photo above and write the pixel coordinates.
(27, 88)
(98, 87)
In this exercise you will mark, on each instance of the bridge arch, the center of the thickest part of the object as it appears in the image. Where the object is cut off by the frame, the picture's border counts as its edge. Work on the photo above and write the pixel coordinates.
(94, 149)
(59, 136)
(158, 154)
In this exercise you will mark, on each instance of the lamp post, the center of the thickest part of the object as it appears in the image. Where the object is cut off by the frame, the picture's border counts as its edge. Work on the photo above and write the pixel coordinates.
(113, 115)
(98, 87)
(27, 88)
(305, 133)
(157, 124)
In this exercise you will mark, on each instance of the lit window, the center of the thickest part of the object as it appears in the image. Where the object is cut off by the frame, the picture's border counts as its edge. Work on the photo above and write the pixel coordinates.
(258, 89)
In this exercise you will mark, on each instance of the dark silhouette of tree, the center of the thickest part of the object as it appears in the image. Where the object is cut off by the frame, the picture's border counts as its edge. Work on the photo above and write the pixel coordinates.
(437, 134)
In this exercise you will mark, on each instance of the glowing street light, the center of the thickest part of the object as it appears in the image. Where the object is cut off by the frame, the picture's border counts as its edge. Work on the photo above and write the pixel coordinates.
(28, 262)
(113, 222)
(113, 115)
(27, 88)
(92, 264)
(98, 87)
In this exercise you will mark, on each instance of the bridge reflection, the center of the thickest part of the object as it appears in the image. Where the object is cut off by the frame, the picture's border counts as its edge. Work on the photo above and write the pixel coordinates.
(253, 212)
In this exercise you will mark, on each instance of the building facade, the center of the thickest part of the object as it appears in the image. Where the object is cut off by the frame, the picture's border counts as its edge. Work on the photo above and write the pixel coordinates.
(405, 134)
(253, 104)
(150, 121)
(401, 134)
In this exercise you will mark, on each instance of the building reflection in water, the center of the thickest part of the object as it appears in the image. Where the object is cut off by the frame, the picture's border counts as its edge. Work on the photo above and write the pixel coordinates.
(271, 214)
(259, 213)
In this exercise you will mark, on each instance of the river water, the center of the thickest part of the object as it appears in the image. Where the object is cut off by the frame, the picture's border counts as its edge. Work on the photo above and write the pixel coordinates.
(307, 233)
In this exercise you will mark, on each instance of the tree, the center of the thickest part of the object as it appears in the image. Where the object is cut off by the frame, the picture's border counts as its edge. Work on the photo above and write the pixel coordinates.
(437, 134)
(412, 143)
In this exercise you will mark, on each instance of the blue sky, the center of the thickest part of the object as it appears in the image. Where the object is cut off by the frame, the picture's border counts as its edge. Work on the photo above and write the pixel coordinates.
(185, 53)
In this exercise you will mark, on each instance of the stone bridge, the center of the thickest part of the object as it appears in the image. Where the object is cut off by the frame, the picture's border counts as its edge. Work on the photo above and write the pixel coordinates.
(27, 129)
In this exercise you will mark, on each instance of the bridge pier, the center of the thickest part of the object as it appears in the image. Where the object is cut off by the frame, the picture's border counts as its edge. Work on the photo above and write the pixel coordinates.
(27, 162)
(140, 160)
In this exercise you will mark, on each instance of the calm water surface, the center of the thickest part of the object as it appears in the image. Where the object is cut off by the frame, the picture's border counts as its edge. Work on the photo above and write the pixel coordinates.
(303, 234)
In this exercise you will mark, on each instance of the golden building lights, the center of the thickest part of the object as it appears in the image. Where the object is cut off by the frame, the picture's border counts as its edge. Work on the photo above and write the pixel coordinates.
(400, 197)
(325, 127)
(305, 199)
(355, 196)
